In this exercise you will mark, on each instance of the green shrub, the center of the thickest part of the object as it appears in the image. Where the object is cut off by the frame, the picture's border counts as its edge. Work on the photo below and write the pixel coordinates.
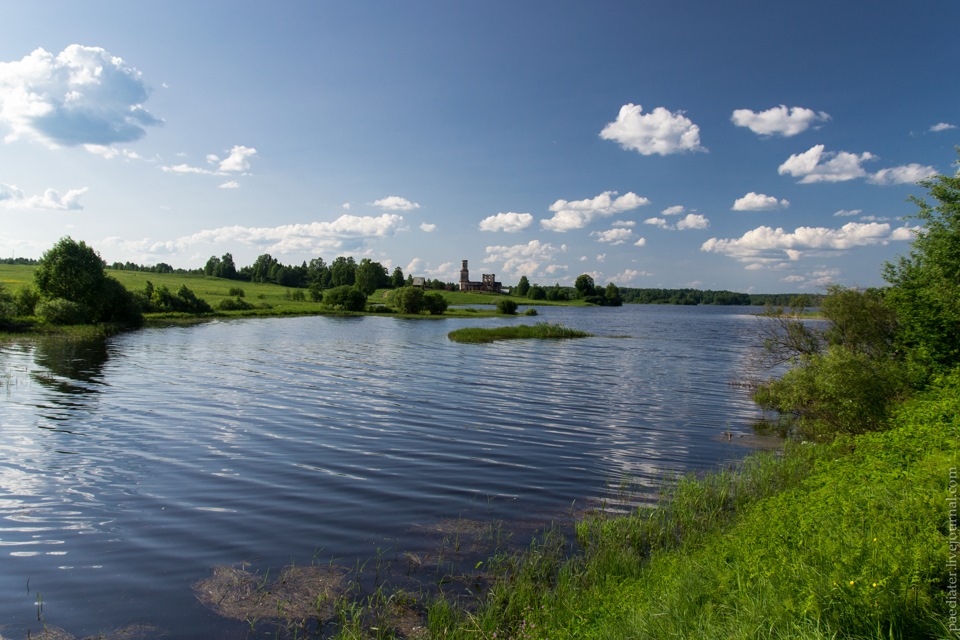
(233, 304)
(839, 391)
(8, 307)
(434, 304)
(26, 300)
(236, 292)
(345, 298)
(507, 306)
(408, 299)
(64, 312)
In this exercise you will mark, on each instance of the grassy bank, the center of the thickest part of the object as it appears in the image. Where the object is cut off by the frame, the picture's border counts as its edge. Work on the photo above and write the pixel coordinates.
(848, 539)
(541, 331)
(266, 300)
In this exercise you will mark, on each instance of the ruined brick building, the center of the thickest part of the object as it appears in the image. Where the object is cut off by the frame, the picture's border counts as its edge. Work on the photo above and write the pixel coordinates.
(488, 283)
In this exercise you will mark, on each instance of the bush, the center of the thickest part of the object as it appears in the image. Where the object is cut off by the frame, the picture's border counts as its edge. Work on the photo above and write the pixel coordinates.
(64, 312)
(8, 307)
(234, 304)
(408, 300)
(236, 292)
(345, 298)
(26, 300)
(507, 306)
(119, 305)
(434, 304)
(839, 391)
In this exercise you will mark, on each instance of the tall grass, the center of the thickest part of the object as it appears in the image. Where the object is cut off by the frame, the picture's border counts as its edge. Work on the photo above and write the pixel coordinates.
(541, 330)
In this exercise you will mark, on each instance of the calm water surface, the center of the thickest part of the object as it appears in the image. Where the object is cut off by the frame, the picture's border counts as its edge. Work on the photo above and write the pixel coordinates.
(132, 466)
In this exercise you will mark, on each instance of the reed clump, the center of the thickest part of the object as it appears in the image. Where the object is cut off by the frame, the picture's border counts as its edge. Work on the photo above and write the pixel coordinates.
(539, 331)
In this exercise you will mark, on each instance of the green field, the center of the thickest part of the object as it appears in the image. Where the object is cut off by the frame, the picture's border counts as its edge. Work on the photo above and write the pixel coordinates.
(280, 299)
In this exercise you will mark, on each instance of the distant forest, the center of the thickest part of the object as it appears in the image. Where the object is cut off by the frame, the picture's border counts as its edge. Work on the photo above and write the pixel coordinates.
(373, 275)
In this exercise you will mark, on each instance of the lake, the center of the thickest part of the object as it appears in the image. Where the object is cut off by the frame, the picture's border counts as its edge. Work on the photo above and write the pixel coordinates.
(130, 467)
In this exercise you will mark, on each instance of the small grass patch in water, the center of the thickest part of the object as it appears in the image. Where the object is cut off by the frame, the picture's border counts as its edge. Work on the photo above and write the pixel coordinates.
(541, 330)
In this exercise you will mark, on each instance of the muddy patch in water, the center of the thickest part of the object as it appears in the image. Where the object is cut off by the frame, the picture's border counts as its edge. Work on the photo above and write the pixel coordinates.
(299, 593)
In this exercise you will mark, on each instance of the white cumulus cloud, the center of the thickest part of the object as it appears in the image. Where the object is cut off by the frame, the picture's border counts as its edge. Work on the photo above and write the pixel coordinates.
(628, 276)
(778, 120)
(238, 160)
(693, 221)
(766, 244)
(576, 214)
(905, 174)
(759, 202)
(529, 259)
(689, 221)
(675, 210)
(642, 242)
(346, 232)
(510, 222)
(14, 198)
(428, 227)
(615, 236)
(816, 165)
(395, 203)
(83, 95)
(942, 126)
(659, 132)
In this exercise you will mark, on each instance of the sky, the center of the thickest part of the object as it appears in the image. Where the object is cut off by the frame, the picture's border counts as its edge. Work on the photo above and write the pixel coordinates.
(753, 146)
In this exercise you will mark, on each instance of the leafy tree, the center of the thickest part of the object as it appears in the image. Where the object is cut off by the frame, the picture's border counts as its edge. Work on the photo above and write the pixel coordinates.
(317, 272)
(263, 268)
(212, 268)
(536, 292)
(228, 268)
(926, 283)
(316, 291)
(343, 271)
(370, 276)
(408, 299)
(396, 278)
(523, 287)
(434, 304)
(74, 272)
(584, 286)
(346, 298)
(612, 296)
(846, 375)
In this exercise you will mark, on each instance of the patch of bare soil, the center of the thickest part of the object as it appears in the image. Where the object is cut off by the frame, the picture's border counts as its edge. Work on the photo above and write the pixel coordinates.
(134, 632)
(299, 593)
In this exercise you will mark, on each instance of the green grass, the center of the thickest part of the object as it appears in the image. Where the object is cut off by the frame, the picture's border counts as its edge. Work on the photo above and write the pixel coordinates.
(849, 539)
(541, 331)
(269, 299)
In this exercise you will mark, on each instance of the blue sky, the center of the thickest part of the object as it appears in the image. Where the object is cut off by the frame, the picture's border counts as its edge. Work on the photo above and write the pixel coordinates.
(752, 146)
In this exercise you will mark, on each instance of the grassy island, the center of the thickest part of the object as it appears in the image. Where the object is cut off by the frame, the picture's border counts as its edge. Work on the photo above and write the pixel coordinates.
(541, 331)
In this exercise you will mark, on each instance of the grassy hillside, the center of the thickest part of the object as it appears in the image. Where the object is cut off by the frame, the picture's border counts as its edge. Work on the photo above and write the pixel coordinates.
(280, 299)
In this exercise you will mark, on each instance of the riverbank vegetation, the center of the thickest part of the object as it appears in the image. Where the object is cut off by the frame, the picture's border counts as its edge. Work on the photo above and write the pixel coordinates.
(539, 331)
(850, 531)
